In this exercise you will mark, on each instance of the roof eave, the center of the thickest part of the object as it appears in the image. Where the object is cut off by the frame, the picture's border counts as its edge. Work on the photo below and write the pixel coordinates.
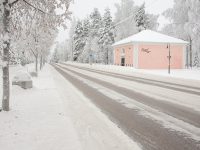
(147, 42)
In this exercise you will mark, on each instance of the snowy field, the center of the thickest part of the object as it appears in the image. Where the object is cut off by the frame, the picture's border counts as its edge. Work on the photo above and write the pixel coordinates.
(54, 115)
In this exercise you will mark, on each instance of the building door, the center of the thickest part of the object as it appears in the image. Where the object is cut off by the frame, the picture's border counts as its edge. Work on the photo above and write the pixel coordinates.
(122, 61)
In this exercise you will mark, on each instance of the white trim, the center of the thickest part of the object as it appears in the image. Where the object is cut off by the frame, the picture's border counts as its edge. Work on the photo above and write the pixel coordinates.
(122, 45)
(114, 56)
(155, 43)
(147, 43)
(136, 55)
(184, 57)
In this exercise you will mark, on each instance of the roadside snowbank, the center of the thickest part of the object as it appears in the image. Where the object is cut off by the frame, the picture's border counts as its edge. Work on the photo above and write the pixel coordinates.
(186, 76)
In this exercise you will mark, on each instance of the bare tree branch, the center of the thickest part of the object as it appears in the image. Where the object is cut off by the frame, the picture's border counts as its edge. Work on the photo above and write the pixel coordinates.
(13, 3)
(34, 7)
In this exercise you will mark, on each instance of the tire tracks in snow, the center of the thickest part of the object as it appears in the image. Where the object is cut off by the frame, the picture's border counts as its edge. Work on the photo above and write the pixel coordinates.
(151, 133)
(174, 86)
(180, 112)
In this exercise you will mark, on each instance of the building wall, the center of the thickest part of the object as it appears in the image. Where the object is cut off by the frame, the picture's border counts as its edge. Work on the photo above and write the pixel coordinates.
(153, 56)
(128, 55)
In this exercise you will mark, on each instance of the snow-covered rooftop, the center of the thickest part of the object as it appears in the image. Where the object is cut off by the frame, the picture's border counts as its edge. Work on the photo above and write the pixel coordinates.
(149, 36)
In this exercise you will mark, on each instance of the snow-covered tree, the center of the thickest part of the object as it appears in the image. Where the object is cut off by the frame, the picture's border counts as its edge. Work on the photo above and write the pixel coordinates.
(196, 60)
(193, 27)
(144, 20)
(85, 41)
(185, 18)
(79, 41)
(124, 19)
(130, 19)
(141, 18)
(107, 37)
(96, 22)
(71, 38)
(63, 51)
(86, 28)
(11, 14)
(55, 57)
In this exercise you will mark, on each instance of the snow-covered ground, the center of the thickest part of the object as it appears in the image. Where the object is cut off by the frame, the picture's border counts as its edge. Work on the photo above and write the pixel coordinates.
(37, 118)
(191, 74)
(54, 115)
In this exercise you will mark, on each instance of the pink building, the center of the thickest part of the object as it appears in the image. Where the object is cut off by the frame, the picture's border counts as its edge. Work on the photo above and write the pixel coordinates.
(150, 50)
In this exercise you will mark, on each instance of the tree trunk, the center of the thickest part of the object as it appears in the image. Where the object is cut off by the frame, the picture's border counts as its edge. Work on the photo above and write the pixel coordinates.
(190, 53)
(41, 62)
(44, 61)
(36, 64)
(6, 47)
(90, 50)
(107, 56)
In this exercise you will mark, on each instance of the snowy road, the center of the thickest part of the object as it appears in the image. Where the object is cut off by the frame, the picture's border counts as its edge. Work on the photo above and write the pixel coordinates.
(156, 114)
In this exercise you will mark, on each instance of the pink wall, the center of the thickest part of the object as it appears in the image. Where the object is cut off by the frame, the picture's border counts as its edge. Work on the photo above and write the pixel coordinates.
(156, 56)
(128, 55)
(117, 56)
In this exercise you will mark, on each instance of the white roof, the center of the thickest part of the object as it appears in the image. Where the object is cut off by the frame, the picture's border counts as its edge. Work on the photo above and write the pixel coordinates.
(148, 36)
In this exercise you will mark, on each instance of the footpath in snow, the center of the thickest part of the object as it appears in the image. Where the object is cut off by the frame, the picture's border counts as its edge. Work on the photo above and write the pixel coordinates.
(54, 115)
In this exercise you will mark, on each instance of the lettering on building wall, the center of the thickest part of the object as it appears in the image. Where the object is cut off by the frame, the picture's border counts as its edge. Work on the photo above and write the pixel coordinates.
(146, 50)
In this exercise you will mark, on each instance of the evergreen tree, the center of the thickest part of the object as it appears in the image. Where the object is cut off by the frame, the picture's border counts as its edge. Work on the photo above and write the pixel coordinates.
(107, 37)
(196, 60)
(86, 28)
(96, 24)
(79, 42)
(96, 21)
(71, 38)
(141, 18)
(84, 53)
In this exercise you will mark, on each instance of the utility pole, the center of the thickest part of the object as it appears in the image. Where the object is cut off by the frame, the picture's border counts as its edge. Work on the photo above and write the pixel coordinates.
(169, 58)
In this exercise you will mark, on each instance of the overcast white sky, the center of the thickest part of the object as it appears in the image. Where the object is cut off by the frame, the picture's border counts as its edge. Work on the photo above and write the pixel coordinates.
(81, 8)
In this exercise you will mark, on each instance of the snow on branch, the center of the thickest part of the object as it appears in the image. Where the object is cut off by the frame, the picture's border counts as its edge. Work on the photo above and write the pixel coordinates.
(34, 6)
